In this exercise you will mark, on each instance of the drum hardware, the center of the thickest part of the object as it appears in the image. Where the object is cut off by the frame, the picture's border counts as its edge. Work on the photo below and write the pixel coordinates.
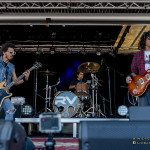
(82, 91)
(96, 111)
(48, 88)
(82, 113)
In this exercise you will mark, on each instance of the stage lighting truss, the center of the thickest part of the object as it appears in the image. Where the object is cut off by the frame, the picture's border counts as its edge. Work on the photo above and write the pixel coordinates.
(123, 110)
(26, 110)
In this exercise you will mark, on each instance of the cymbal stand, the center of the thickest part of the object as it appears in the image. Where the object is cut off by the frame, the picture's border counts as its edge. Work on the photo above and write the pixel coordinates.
(94, 93)
(50, 89)
(47, 97)
(35, 90)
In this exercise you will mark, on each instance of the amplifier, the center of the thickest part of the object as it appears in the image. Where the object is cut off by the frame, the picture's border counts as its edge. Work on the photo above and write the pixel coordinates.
(18, 100)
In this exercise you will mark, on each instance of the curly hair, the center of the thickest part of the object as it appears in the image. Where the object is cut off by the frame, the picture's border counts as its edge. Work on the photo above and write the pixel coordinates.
(143, 40)
(6, 46)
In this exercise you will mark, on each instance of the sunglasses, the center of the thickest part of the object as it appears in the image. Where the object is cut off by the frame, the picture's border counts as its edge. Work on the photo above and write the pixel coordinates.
(12, 52)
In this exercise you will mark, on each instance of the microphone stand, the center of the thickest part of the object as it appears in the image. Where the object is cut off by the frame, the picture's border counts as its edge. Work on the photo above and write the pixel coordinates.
(93, 97)
(110, 108)
(35, 85)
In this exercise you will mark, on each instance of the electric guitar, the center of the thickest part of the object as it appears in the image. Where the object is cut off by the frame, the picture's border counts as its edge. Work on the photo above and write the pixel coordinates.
(4, 90)
(139, 84)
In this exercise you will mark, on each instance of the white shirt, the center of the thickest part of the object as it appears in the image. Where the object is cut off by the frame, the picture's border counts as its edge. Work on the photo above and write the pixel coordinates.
(147, 59)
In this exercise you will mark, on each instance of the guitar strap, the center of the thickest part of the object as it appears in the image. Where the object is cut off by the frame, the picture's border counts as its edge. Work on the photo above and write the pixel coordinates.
(6, 71)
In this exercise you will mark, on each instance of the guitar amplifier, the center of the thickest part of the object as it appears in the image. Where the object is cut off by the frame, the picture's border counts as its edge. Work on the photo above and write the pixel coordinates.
(18, 100)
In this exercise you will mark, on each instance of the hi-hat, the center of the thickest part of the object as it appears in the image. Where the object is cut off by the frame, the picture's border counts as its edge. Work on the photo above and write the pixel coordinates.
(47, 73)
(89, 67)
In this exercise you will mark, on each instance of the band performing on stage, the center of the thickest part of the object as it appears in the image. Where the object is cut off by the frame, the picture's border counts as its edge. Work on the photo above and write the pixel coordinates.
(81, 100)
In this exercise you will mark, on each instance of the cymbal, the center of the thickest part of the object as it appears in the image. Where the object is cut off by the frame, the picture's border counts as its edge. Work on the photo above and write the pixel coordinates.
(47, 73)
(89, 67)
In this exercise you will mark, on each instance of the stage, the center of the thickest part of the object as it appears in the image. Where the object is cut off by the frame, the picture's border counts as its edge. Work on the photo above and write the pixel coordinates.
(73, 121)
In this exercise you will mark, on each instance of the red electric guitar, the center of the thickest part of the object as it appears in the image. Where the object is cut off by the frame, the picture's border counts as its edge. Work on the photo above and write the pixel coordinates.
(139, 84)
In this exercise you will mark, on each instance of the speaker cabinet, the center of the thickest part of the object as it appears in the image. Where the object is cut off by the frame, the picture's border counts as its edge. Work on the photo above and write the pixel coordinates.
(114, 135)
(13, 137)
(139, 113)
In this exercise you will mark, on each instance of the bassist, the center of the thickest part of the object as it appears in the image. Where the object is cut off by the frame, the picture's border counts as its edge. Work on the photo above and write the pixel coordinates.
(7, 73)
(141, 63)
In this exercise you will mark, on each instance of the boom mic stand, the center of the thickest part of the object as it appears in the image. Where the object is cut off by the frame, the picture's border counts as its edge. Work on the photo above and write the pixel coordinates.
(110, 108)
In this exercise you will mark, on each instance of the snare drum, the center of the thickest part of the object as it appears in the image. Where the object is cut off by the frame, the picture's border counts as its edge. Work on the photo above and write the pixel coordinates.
(66, 103)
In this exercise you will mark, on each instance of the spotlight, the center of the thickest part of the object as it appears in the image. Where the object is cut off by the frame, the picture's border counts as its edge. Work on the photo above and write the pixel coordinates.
(27, 110)
(122, 110)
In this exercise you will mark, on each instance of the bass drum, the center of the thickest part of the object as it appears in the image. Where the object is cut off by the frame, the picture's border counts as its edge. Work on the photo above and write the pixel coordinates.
(67, 104)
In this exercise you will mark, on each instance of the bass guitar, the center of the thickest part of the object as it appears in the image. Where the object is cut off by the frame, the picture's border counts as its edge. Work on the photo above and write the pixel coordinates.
(4, 90)
(139, 84)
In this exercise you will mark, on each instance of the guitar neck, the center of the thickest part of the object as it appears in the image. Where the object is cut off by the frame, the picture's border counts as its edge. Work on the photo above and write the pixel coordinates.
(16, 80)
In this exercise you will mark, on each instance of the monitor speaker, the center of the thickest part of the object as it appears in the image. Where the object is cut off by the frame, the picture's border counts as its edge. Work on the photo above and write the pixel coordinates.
(138, 113)
(114, 135)
(13, 137)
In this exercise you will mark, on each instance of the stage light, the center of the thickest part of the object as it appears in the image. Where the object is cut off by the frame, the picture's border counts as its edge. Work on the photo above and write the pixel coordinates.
(122, 110)
(26, 110)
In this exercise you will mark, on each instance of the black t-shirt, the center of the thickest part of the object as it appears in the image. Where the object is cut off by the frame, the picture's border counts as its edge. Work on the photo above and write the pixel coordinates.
(75, 81)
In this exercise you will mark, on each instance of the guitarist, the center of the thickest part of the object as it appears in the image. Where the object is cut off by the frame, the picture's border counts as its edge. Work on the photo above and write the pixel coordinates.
(7, 73)
(140, 63)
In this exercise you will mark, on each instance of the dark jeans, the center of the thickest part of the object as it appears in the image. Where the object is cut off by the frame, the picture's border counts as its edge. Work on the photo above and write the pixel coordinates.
(144, 100)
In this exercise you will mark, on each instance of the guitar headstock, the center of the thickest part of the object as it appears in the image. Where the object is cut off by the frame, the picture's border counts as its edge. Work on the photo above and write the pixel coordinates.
(37, 65)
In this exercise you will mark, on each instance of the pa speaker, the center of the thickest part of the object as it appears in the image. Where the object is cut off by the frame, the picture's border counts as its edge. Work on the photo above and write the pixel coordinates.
(138, 113)
(117, 135)
(13, 137)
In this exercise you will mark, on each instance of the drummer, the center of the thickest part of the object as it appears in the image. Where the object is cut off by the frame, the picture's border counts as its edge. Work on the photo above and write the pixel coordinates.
(79, 79)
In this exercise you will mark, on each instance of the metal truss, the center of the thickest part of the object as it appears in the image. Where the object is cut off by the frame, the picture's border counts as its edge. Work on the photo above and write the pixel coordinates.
(63, 48)
(74, 6)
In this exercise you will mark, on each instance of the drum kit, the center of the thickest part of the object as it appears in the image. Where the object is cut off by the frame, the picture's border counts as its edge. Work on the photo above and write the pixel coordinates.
(79, 104)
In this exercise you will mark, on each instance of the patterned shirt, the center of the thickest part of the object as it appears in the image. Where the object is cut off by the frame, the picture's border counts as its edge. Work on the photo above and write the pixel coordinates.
(138, 63)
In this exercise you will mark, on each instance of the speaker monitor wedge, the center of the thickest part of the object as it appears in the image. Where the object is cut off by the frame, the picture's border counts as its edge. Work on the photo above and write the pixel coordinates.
(114, 135)
(13, 137)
